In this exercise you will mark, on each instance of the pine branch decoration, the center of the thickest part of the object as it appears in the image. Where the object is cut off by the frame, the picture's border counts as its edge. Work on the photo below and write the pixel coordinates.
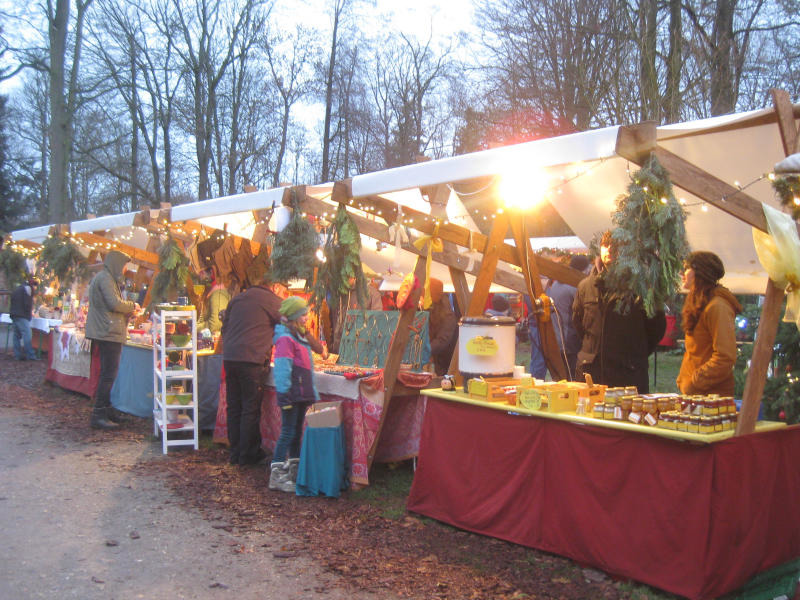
(650, 242)
(64, 261)
(173, 271)
(342, 262)
(295, 248)
(13, 265)
(788, 190)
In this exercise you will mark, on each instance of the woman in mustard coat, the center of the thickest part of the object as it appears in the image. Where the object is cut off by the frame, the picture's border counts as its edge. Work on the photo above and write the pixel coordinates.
(709, 314)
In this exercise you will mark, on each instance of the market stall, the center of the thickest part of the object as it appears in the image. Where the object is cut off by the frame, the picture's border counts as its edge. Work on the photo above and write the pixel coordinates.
(696, 519)
(576, 488)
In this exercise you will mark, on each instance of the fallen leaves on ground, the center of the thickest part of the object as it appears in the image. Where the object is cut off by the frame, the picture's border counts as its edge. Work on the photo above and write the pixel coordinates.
(413, 557)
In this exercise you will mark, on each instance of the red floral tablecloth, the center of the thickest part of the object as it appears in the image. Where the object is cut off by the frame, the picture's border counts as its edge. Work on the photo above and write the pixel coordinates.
(397, 439)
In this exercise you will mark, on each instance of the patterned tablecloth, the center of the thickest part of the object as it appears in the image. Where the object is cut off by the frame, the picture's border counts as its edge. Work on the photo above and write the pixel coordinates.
(362, 406)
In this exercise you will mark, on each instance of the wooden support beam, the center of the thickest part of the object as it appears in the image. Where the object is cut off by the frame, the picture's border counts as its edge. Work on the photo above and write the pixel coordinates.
(773, 296)
(449, 257)
(716, 192)
(761, 358)
(139, 256)
(790, 137)
(636, 142)
(438, 197)
(547, 335)
(491, 256)
(420, 221)
(394, 355)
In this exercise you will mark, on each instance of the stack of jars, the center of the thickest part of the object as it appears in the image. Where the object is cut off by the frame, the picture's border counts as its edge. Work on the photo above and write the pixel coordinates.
(694, 414)
(702, 414)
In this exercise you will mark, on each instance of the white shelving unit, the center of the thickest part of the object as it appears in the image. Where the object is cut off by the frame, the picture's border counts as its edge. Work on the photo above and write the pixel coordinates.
(175, 400)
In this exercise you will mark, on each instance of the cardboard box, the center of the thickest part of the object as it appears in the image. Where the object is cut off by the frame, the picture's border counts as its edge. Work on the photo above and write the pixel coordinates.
(324, 414)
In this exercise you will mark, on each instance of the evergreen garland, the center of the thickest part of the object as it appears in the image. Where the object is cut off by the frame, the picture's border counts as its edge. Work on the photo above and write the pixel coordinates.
(173, 270)
(788, 190)
(295, 248)
(13, 266)
(342, 262)
(64, 261)
(650, 242)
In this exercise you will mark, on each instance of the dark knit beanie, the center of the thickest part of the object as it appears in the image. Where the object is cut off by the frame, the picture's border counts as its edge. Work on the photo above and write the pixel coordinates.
(499, 303)
(707, 266)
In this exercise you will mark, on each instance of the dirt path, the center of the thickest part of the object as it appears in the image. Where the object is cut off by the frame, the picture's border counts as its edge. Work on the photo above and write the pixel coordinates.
(79, 521)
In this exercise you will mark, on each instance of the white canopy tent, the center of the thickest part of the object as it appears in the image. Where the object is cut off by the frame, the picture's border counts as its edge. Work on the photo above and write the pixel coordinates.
(585, 175)
(32, 234)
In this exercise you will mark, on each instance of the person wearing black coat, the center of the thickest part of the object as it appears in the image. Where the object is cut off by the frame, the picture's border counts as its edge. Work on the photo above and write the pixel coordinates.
(248, 325)
(21, 312)
(442, 328)
(615, 346)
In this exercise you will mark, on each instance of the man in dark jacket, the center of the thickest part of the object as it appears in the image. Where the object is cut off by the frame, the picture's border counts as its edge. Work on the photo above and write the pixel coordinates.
(21, 312)
(107, 327)
(614, 346)
(443, 328)
(247, 328)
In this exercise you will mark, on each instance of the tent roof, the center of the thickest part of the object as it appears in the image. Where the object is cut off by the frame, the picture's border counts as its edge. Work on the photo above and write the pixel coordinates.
(585, 177)
(32, 234)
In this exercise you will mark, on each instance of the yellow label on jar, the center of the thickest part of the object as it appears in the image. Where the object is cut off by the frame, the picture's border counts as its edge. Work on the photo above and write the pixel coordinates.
(482, 346)
(529, 398)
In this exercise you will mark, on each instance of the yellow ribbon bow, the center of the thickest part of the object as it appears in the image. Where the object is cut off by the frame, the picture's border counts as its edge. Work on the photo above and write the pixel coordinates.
(435, 244)
(779, 254)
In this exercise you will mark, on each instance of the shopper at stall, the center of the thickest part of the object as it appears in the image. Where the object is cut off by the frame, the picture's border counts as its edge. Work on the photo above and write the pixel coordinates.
(442, 328)
(499, 307)
(294, 386)
(563, 296)
(247, 328)
(216, 301)
(709, 314)
(21, 313)
(615, 344)
(107, 327)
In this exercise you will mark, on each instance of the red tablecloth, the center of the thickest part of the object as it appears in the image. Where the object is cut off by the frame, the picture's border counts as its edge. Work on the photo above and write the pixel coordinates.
(698, 520)
(398, 439)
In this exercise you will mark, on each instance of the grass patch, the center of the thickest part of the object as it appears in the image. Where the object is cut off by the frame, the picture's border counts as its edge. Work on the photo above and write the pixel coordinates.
(389, 485)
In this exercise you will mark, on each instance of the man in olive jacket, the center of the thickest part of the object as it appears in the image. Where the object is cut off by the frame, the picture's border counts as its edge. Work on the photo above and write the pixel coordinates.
(107, 327)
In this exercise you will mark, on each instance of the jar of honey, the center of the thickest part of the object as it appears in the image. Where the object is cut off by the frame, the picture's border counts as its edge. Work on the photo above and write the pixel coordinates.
(598, 410)
(665, 403)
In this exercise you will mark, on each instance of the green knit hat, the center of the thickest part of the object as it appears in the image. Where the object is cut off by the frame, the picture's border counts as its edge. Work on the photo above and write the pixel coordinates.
(293, 307)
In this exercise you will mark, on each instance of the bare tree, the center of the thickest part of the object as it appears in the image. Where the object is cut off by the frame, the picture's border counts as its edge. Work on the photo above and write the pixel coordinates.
(65, 36)
(339, 7)
(209, 34)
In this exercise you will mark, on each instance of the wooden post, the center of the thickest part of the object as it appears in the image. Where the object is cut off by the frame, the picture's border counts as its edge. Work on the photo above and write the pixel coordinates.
(438, 197)
(547, 335)
(773, 297)
(394, 355)
(760, 361)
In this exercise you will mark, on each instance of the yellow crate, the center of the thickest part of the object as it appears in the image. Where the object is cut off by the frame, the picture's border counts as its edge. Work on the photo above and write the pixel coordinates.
(493, 389)
(560, 398)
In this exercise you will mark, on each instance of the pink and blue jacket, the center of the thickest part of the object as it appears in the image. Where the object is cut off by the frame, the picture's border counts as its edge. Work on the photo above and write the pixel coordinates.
(293, 370)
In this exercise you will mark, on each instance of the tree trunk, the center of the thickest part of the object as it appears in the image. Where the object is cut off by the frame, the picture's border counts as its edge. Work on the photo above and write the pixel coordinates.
(672, 92)
(648, 13)
(723, 94)
(59, 130)
(326, 141)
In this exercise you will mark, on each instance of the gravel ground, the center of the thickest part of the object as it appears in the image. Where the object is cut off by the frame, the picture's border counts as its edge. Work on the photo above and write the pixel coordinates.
(80, 520)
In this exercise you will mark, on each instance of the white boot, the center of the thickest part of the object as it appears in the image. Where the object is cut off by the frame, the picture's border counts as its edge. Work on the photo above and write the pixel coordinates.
(278, 475)
(291, 466)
